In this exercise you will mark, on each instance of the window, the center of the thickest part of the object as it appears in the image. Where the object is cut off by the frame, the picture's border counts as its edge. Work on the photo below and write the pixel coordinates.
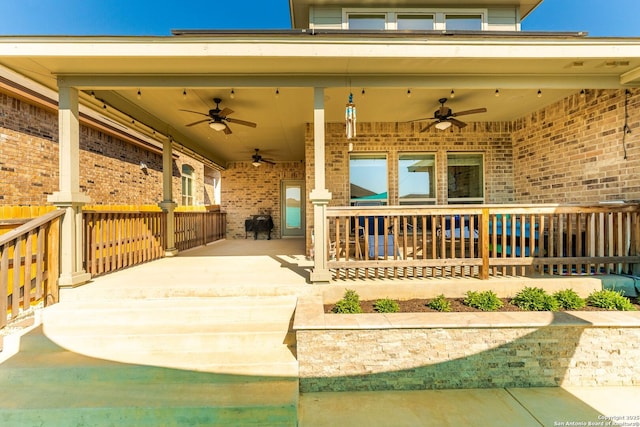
(417, 179)
(414, 19)
(367, 21)
(414, 22)
(368, 179)
(464, 22)
(465, 178)
(187, 185)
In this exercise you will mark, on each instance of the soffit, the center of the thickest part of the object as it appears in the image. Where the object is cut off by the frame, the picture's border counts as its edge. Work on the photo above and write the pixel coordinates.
(163, 68)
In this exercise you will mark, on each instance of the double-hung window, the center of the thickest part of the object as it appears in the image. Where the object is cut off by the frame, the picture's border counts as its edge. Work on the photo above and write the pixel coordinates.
(187, 185)
(414, 19)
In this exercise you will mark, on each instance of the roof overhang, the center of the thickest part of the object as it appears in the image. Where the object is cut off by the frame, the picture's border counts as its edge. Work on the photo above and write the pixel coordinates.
(254, 65)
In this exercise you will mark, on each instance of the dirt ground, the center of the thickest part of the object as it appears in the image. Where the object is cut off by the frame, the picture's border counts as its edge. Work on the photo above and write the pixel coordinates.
(420, 305)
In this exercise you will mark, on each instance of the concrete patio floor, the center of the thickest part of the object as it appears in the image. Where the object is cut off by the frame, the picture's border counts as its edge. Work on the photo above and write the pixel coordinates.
(278, 267)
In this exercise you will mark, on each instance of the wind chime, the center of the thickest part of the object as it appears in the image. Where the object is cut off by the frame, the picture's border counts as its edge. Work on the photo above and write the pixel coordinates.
(350, 117)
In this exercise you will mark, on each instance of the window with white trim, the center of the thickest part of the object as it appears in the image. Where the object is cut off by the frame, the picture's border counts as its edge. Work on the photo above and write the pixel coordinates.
(417, 178)
(368, 183)
(465, 22)
(465, 178)
(414, 19)
(187, 185)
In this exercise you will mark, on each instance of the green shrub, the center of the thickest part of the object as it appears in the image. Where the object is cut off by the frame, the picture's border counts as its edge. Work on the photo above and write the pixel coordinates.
(485, 301)
(569, 299)
(440, 303)
(535, 299)
(610, 300)
(350, 303)
(386, 305)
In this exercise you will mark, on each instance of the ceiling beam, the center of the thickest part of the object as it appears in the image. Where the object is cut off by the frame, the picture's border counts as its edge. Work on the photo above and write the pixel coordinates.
(573, 81)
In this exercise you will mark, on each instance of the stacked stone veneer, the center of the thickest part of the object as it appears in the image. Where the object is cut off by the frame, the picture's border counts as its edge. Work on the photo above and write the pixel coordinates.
(110, 170)
(467, 357)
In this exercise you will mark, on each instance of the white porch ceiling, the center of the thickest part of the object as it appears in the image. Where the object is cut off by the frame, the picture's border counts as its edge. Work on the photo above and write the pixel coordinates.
(114, 69)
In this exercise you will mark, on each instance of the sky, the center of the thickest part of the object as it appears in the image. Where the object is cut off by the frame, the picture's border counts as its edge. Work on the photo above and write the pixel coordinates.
(618, 18)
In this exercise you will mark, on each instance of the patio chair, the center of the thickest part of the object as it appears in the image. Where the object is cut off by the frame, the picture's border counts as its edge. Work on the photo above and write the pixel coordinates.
(375, 227)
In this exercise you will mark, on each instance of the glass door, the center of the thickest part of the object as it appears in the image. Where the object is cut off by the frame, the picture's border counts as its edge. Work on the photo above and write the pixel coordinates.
(292, 206)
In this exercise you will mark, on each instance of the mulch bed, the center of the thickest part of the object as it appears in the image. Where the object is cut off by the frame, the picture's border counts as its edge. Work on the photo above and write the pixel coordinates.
(420, 305)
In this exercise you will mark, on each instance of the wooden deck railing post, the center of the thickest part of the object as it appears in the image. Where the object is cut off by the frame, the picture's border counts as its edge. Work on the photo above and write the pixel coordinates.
(484, 244)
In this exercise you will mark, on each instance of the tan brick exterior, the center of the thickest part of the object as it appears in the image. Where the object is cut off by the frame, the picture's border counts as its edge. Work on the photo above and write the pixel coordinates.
(110, 170)
(248, 190)
(573, 152)
(570, 151)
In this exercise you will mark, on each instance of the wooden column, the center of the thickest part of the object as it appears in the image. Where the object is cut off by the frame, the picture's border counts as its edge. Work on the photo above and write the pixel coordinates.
(319, 196)
(69, 197)
(167, 205)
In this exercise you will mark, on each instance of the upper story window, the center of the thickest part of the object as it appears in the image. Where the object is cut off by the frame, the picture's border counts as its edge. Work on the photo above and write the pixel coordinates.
(414, 19)
(359, 21)
(414, 22)
(463, 22)
(187, 185)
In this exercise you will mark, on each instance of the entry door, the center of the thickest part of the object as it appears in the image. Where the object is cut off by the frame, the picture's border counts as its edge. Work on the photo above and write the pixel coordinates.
(292, 206)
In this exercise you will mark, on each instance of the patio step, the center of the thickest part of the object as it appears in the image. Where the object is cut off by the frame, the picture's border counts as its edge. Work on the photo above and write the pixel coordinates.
(170, 362)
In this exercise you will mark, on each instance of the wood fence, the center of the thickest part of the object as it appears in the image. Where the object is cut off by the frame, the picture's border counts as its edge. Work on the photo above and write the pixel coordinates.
(482, 241)
(118, 239)
(29, 265)
(193, 229)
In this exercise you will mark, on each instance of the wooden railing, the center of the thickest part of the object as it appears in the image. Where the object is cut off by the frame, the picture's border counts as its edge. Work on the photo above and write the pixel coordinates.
(482, 240)
(118, 239)
(193, 229)
(29, 265)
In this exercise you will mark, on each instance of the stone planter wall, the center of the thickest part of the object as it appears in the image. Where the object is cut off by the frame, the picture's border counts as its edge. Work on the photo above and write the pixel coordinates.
(464, 350)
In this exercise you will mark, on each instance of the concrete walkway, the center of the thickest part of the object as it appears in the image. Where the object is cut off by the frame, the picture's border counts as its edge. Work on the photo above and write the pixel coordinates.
(201, 285)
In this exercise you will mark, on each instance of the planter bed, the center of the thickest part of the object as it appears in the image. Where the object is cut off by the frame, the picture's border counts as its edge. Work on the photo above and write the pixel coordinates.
(433, 350)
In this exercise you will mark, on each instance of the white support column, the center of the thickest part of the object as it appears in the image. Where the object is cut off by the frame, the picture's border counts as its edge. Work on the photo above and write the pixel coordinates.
(69, 197)
(167, 204)
(319, 196)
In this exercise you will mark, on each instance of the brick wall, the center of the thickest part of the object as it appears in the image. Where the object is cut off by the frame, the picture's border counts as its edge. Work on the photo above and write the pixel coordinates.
(110, 170)
(248, 190)
(573, 151)
(491, 139)
(443, 358)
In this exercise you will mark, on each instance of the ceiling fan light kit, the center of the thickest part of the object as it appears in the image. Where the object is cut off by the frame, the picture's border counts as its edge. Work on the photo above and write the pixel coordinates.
(443, 117)
(217, 126)
(218, 118)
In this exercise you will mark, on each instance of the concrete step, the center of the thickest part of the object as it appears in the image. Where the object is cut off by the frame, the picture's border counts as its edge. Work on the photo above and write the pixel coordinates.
(169, 362)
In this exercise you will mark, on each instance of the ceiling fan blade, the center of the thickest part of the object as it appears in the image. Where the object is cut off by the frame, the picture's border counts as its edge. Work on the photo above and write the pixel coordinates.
(474, 111)
(225, 112)
(241, 122)
(198, 122)
(227, 130)
(427, 127)
(422, 119)
(457, 122)
(267, 161)
(196, 112)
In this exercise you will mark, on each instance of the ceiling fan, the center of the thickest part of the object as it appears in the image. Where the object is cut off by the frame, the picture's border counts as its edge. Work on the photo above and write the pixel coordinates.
(218, 119)
(258, 159)
(443, 117)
